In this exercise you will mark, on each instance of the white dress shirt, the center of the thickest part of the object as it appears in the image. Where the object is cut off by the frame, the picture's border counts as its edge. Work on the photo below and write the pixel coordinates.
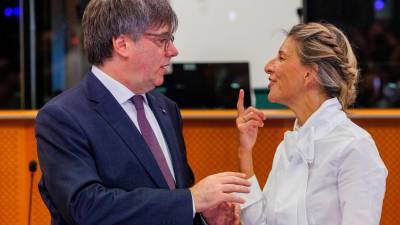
(327, 172)
(123, 95)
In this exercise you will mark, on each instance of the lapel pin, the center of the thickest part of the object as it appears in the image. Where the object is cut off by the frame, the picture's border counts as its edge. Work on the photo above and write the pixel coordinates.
(163, 110)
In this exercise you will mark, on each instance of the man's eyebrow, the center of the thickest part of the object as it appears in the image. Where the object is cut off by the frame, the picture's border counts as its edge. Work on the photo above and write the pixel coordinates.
(164, 33)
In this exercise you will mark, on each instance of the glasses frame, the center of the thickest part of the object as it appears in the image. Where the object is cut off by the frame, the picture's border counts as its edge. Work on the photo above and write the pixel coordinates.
(164, 39)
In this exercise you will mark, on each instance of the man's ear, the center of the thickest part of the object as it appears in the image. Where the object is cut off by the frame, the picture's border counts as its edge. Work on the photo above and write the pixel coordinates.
(122, 44)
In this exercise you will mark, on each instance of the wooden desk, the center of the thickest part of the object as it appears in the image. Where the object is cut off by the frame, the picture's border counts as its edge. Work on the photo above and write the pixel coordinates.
(211, 140)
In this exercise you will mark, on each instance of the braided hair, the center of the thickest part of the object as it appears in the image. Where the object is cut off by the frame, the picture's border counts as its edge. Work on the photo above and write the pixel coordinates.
(325, 46)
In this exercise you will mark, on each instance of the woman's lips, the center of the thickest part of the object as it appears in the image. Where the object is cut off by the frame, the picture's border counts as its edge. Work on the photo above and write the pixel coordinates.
(271, 83)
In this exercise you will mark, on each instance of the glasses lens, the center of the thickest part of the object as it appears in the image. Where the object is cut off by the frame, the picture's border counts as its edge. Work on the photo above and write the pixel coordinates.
(164, 39)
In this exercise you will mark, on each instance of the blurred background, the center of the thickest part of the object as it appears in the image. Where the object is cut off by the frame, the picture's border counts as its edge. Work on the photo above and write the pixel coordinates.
(223, 47)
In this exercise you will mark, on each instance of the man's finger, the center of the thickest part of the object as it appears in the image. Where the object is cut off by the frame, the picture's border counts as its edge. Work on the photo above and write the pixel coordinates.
(233, 188)
(233, 198)
(240, 106)
(235, 174)
(235, 180)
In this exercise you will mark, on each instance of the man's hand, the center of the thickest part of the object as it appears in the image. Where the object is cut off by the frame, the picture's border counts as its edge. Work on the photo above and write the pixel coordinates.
(223, 214)
(218, 188)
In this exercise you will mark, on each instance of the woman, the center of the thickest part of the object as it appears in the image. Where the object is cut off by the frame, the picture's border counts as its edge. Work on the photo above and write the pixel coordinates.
(327, 170)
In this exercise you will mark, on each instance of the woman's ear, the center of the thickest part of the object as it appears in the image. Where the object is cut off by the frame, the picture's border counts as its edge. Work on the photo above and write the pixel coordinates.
(311, 76)
(311, 71)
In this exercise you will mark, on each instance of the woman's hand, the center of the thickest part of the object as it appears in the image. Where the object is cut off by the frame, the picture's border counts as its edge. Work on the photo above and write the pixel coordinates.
(223, 214)
(248, 122)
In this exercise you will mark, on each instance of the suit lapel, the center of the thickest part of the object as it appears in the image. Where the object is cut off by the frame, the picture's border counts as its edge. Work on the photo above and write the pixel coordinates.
(110, 110)
(163, 117)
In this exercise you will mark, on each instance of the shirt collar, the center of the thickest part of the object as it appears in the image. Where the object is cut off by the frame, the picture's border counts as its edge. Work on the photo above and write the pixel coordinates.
(120, 92)
(317, 126)
(328, 115)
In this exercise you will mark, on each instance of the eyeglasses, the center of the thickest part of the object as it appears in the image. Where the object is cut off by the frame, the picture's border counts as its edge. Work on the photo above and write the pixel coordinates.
(162, 40)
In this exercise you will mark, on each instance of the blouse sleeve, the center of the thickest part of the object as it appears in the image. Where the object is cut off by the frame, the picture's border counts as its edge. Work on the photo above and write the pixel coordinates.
(253, 211)
(361, 183)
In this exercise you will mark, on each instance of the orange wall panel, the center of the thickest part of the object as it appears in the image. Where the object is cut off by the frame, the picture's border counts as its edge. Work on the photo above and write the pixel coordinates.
(17, 148)
(211, 147)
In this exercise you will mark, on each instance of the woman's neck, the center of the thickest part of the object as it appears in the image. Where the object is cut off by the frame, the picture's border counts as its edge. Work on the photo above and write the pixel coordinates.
(307, 105)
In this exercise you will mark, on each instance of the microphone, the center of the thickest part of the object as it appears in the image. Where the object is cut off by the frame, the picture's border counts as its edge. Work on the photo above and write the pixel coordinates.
(32, 169)
(32, 166)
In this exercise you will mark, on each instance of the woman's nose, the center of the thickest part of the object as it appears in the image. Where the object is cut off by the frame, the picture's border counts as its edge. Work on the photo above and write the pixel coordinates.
(268, 68)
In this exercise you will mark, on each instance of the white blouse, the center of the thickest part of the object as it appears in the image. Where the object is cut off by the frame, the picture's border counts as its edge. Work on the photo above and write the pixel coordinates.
(327, 172)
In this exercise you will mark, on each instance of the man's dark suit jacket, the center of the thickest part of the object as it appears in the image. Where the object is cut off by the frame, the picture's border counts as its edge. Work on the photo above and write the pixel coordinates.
(97, 168)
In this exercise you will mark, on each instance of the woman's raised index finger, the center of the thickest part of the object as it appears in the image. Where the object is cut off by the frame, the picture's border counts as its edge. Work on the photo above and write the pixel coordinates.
(240, 106)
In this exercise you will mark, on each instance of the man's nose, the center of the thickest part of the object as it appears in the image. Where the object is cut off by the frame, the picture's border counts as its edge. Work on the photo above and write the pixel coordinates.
(171, 50)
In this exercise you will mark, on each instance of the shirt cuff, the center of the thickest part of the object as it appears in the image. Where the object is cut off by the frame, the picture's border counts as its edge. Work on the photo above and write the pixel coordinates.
(194, 208)
(255, 194)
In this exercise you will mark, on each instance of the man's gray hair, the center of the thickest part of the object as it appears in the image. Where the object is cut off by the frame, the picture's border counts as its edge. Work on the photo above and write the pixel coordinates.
(105, 19)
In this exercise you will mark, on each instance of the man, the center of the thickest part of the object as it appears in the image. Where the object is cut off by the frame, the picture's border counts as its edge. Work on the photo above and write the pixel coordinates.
(111, 150)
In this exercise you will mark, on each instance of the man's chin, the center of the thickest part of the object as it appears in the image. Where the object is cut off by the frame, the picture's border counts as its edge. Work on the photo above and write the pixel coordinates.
(159, 82)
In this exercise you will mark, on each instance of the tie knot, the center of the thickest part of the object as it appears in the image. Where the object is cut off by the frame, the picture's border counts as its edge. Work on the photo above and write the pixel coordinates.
(138, 101)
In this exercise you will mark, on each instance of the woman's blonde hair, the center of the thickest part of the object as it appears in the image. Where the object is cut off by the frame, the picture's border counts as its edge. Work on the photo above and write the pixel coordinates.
(325, 46)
